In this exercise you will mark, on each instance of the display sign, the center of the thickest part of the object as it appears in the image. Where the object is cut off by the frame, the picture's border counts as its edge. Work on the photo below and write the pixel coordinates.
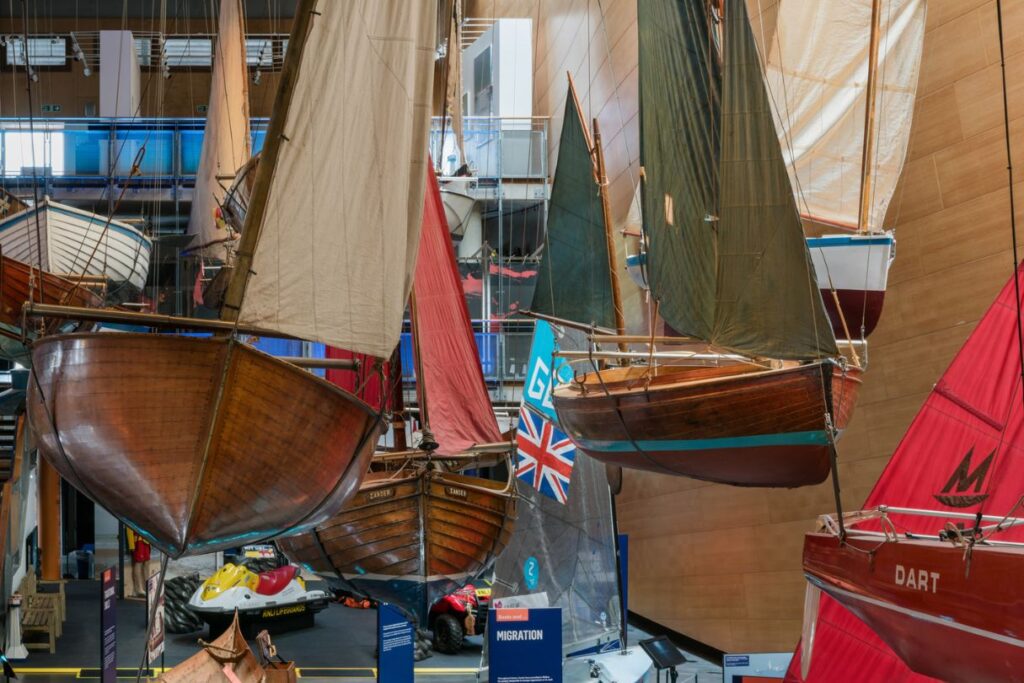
(624, 572)
(755, 667)
(525, 645)
(108, 626)
(395, 641)
(156, 631)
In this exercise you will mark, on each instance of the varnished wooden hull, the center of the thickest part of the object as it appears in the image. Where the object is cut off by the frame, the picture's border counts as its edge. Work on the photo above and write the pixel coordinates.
(200, 444)
(730, 425)
(411, 539)
(944, 616)
(17, 280)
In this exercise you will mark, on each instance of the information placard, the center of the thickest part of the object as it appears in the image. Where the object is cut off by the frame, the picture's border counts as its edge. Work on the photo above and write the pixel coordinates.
(525, 645)
(108, 626)
(395, 641)
(156, 631)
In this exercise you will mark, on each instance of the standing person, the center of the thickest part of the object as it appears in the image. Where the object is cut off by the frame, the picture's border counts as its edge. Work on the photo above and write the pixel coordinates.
(141, 552)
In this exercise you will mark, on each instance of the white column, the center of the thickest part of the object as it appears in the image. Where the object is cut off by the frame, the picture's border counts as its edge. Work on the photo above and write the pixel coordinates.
(120, 77)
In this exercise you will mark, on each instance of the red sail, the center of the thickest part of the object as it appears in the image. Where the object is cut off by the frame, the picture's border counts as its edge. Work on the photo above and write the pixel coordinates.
(458, 405)
(964, 452)
(364, 382)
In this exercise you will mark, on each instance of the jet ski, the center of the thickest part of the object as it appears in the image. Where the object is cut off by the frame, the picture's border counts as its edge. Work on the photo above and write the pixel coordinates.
(276, 600)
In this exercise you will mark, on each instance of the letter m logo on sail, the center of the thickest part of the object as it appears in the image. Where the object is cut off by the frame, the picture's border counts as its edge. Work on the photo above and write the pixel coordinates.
(956, 493)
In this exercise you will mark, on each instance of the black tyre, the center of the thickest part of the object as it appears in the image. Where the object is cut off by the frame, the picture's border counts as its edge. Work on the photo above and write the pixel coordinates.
(448, 634)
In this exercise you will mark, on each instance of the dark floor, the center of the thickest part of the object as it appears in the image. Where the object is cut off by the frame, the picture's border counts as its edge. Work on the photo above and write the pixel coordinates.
(340, 645)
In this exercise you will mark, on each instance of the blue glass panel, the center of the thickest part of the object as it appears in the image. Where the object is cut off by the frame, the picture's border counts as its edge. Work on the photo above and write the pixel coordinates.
(191, 148)
(158, 158)
(86, 152)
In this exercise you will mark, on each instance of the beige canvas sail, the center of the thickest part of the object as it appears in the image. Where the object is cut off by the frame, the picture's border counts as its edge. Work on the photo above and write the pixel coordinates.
(817, 70)
(338, 241)
(226, 145)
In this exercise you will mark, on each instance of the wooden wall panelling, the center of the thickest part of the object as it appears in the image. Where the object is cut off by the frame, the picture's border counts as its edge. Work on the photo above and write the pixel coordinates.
(722, 565)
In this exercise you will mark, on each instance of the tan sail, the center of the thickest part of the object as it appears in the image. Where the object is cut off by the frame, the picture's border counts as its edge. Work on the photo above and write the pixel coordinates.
(337, 241)
(817, 70)
(251, 447)
(226, 142)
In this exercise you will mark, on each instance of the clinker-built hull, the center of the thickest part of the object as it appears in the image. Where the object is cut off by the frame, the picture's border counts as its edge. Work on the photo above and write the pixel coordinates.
(19, 283)
(200, 444)
(930, 600)
(411, 538)
(733, 424)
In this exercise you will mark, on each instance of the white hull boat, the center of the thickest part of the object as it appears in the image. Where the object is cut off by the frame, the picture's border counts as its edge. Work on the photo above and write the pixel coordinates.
(75, 242)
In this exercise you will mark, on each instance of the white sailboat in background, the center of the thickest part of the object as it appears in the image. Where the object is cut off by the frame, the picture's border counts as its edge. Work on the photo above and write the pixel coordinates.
(76, 242)
(843, 106)
(226, 140)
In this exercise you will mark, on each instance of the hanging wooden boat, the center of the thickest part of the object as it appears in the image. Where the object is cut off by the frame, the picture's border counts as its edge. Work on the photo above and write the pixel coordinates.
(856, 268)
(19, 283)
(412, 537)
(203, 444)
(728, 265)
(932, 586)
(197, 443)
(845, 107)
(949, 606)
(74, 241)
(734, 424)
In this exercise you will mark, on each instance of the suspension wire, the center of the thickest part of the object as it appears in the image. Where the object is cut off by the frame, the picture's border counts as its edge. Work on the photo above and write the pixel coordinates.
(32, 145)
(1013, 213)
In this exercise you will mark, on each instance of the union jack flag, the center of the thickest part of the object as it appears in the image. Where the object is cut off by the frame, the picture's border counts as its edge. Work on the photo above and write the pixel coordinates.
(546, 455)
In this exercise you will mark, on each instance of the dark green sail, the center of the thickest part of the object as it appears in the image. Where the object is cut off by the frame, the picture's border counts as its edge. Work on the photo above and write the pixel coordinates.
(679, 119)
(768, 300)
(727, 260)
(574, 282)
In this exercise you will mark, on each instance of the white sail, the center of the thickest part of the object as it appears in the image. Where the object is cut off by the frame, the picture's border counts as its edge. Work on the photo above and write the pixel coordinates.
(338, 242)
(226, 142)
(817, 71)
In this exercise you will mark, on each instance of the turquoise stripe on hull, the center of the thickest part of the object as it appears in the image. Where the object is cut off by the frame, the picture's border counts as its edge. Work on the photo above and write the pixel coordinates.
(813, 438)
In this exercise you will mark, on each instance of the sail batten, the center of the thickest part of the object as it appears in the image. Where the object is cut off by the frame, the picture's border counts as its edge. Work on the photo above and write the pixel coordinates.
(337, 236)
(226, 141)
(817, 71)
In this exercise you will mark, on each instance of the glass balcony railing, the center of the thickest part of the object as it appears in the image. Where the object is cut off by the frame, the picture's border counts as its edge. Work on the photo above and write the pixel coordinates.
(87, 148)
(511, 148)
(495, 147)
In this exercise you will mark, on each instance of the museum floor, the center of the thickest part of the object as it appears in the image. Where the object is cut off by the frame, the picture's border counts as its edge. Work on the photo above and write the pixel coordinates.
(338, 649)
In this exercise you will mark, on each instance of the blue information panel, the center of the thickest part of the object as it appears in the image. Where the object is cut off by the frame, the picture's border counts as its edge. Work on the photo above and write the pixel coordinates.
(394, 646)
(525, 645)
(624, 571)
(108, 626)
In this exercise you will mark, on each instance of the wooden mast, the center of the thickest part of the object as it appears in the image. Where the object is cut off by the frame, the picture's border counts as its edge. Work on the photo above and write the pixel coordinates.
(600, 175)
(606, 209)
(268, 161)
(867, 156)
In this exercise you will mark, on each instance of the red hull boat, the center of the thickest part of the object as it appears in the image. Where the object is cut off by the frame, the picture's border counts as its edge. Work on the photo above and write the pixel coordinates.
(931, 599)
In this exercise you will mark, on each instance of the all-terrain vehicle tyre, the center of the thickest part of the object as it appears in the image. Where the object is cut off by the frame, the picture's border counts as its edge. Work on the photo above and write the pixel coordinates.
(448, 634)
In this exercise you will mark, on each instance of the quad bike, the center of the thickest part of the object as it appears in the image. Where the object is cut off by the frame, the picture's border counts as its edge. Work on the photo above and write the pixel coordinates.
(457, 615)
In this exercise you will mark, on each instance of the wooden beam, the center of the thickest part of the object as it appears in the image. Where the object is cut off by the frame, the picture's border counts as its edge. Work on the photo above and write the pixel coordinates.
(253, 226)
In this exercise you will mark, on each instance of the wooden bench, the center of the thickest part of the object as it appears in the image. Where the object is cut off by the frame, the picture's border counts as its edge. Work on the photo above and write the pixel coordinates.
(38, 620)
(40, 612)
